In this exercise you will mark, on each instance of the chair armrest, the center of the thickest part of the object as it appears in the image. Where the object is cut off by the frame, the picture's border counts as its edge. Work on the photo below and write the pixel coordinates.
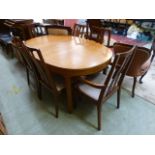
(96, 85)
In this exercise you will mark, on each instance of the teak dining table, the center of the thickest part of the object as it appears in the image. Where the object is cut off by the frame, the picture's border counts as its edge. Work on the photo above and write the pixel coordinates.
(70, 57)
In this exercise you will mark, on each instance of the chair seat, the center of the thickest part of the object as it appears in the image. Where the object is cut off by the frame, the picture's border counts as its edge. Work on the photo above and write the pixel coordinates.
(58, 81)
(89, 90)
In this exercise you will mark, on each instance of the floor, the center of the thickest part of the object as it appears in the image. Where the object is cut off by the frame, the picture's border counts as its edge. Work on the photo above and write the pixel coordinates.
(24, 113)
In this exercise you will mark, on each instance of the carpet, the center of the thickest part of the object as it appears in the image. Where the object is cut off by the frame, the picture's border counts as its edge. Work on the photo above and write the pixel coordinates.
(23, 113)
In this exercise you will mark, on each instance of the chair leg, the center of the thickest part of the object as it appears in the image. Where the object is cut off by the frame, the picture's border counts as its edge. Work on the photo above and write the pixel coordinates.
(118, 97)
(140, 80)
(99, 116)
(56, 107)
(133, 87)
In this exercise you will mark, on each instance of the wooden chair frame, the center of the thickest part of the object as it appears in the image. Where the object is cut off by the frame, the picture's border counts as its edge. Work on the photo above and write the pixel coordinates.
(112, 82)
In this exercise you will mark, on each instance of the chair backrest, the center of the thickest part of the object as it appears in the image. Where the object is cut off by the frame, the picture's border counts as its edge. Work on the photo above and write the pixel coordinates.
(90, 23)
(42, 69)
(79, 30)
(117, 72)
(142, 58)
(54, 21)
(39, 29)
(32, 30)
(96, 34)
(18, 52)
(34, 59)
(20, 49)
(58, 30)
(94, 22)
(35, 29)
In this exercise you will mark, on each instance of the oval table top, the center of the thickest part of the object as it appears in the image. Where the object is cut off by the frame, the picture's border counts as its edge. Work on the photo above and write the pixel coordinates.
(71, 56)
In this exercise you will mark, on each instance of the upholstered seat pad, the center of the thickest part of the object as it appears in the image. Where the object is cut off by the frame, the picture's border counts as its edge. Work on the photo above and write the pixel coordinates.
(57, 31)
(91, 91)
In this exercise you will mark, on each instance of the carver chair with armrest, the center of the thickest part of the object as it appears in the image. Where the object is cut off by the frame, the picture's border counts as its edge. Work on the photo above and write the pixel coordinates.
(102, 87)
(140, 64)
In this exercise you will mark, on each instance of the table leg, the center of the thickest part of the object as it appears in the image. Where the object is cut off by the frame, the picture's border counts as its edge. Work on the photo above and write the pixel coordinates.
(69, 94)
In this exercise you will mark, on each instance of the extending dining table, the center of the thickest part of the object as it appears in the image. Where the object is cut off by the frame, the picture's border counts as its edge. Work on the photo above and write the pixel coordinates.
(70, 57)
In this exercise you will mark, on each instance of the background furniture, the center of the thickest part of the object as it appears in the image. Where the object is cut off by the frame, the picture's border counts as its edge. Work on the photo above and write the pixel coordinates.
(140, 64)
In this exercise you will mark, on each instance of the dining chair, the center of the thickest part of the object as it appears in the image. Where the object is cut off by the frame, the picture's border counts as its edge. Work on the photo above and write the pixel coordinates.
(140, 64)
(100, 34)
(43, 76)
(58, 30)
(92, 24)
(54, 83)
(101, 87)
(79, 30)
